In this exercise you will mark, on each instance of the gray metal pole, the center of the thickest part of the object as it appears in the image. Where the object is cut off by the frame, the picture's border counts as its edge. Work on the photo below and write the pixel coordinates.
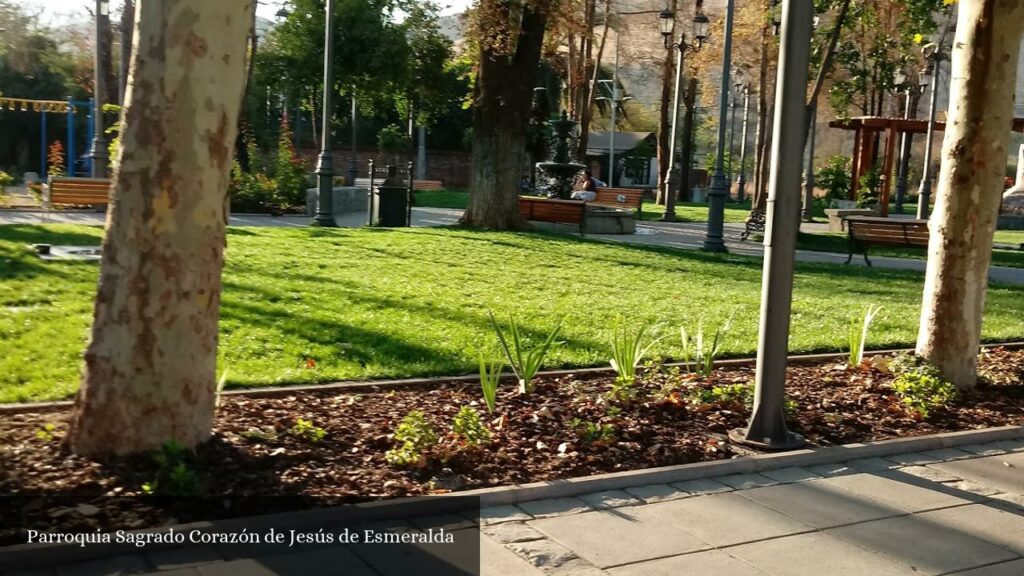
(325, 164)
(615, 106)
(732, 134)
(741, 182)
(767, 427)
(353, 168)
(98, 153)
(713, 241)
(904, 166)
(421, 154)
(924, 192)
(670, 194)
(809, 168)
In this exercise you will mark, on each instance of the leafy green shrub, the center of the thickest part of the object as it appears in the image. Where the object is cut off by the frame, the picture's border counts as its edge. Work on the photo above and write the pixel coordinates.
(393, 140)
(289, 173)
(468, 426)
(834, 177)
(5, 181)
(174, 476)
(46, 432)
(919, 385)
(490, 377)
(306, 430)
(416, 437)
(699, 359)
(525, 362)
(252, 192)
(727, 394)
(870, 183)
(858, 334)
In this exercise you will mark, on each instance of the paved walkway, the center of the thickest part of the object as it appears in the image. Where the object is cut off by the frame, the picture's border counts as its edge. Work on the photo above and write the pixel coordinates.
(686, 235)
(944, 512)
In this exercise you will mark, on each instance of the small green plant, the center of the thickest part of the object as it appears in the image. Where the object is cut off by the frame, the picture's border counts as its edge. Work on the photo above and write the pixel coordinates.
(727, 394)
(46, 432)
(306, 430)
(416, 437)
(870, 183)
(628, 350)
(919, 384)
(467, 425)
(262, 435)
(858, 334)
(490, 376)
(699, 359)
(5, 181)
(525, 362)
(591, 432)
(834, 177)
(220, 388)
(174, 476)
(922, 391)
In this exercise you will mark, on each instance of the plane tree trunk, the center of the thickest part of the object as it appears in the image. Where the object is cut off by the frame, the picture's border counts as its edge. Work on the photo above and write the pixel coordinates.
(982, 81)
(150, 366)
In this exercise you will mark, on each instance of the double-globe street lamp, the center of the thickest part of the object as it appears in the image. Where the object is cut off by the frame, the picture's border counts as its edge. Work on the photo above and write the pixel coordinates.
(667, 23)
(98, 153)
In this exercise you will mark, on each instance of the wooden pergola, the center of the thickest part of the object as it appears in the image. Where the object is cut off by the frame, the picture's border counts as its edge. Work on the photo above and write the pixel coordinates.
(866, 128)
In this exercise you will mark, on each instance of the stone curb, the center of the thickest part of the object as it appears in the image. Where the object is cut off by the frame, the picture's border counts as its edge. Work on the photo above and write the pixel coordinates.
(35, 555)
(277, 391)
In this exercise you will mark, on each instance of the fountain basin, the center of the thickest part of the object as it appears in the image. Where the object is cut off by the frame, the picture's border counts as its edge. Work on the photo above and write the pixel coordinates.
(608, 220)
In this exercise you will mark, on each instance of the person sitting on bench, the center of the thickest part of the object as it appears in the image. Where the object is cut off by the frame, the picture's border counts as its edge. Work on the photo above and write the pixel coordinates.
(586, 187)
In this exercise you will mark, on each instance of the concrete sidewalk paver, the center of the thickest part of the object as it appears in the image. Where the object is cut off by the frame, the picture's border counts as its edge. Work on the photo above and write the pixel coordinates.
(726, 519)
(791, 556)
(894, 494)
(1011, 568)
(619, 536)
(998, 526)
(340, 558)
(820, 504)
(1004, 472)
(709, 563)
(929, 547)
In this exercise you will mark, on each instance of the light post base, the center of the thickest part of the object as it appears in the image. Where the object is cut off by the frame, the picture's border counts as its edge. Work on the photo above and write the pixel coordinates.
(714, 239)
(785, 441)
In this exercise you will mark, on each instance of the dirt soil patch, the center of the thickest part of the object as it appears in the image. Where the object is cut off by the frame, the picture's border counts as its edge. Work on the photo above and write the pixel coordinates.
(259, 461)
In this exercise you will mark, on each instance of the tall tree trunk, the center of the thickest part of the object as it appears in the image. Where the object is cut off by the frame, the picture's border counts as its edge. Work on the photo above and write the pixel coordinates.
(150, 365)
(763, 117)
(982, 80)
(501, 114)
(127, 33)
(587, 111)
(667, 82)
(690, 102)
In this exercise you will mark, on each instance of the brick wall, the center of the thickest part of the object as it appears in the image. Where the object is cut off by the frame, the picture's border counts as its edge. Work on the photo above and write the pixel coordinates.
(450, 167)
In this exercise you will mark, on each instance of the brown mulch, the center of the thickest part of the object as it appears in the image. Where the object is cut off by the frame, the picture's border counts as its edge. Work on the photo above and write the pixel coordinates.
(255, 464)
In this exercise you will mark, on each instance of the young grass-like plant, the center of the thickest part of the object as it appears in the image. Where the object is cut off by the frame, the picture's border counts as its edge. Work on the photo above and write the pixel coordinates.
(699, 358)
(858, 334)
(628, 350)
(490, 376)
(526, 362)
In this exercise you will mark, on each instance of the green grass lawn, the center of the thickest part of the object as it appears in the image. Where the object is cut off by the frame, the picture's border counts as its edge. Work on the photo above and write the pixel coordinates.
(1010, 236)
(371, 303)
(458, 199)
(837, 242)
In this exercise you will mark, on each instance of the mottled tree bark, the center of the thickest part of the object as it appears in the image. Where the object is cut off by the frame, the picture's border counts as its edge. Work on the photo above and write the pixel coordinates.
(982, 80)
(150, 365)
(501, 115)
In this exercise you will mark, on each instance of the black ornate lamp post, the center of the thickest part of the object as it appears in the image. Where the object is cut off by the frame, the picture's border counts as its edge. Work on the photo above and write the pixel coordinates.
(98, 153)
(352, 169)
(737, 88)
(713, 240)
(667, 23)
(325, 164)
(929, 77)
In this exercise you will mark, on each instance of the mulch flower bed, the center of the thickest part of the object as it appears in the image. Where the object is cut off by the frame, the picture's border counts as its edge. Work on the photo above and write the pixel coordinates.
(262, 459)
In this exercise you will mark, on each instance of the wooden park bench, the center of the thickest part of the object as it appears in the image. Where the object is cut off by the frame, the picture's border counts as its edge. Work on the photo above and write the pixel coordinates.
(76, 191)
(867, 230)
(427, 185)
(552, 210)
(619, 198)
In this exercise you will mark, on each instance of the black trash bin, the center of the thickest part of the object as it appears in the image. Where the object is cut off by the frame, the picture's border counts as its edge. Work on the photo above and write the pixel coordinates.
(390, 207)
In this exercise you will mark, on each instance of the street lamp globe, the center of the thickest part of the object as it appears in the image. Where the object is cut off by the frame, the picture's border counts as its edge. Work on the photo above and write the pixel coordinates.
(900, 78)
(700, 27)
(925, 80)
(667, 24)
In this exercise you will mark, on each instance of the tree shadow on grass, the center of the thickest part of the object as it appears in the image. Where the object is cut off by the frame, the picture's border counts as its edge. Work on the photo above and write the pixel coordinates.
(19, 261)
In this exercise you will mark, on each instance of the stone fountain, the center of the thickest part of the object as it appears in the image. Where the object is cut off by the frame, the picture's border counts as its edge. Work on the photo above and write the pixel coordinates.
(560, 172)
